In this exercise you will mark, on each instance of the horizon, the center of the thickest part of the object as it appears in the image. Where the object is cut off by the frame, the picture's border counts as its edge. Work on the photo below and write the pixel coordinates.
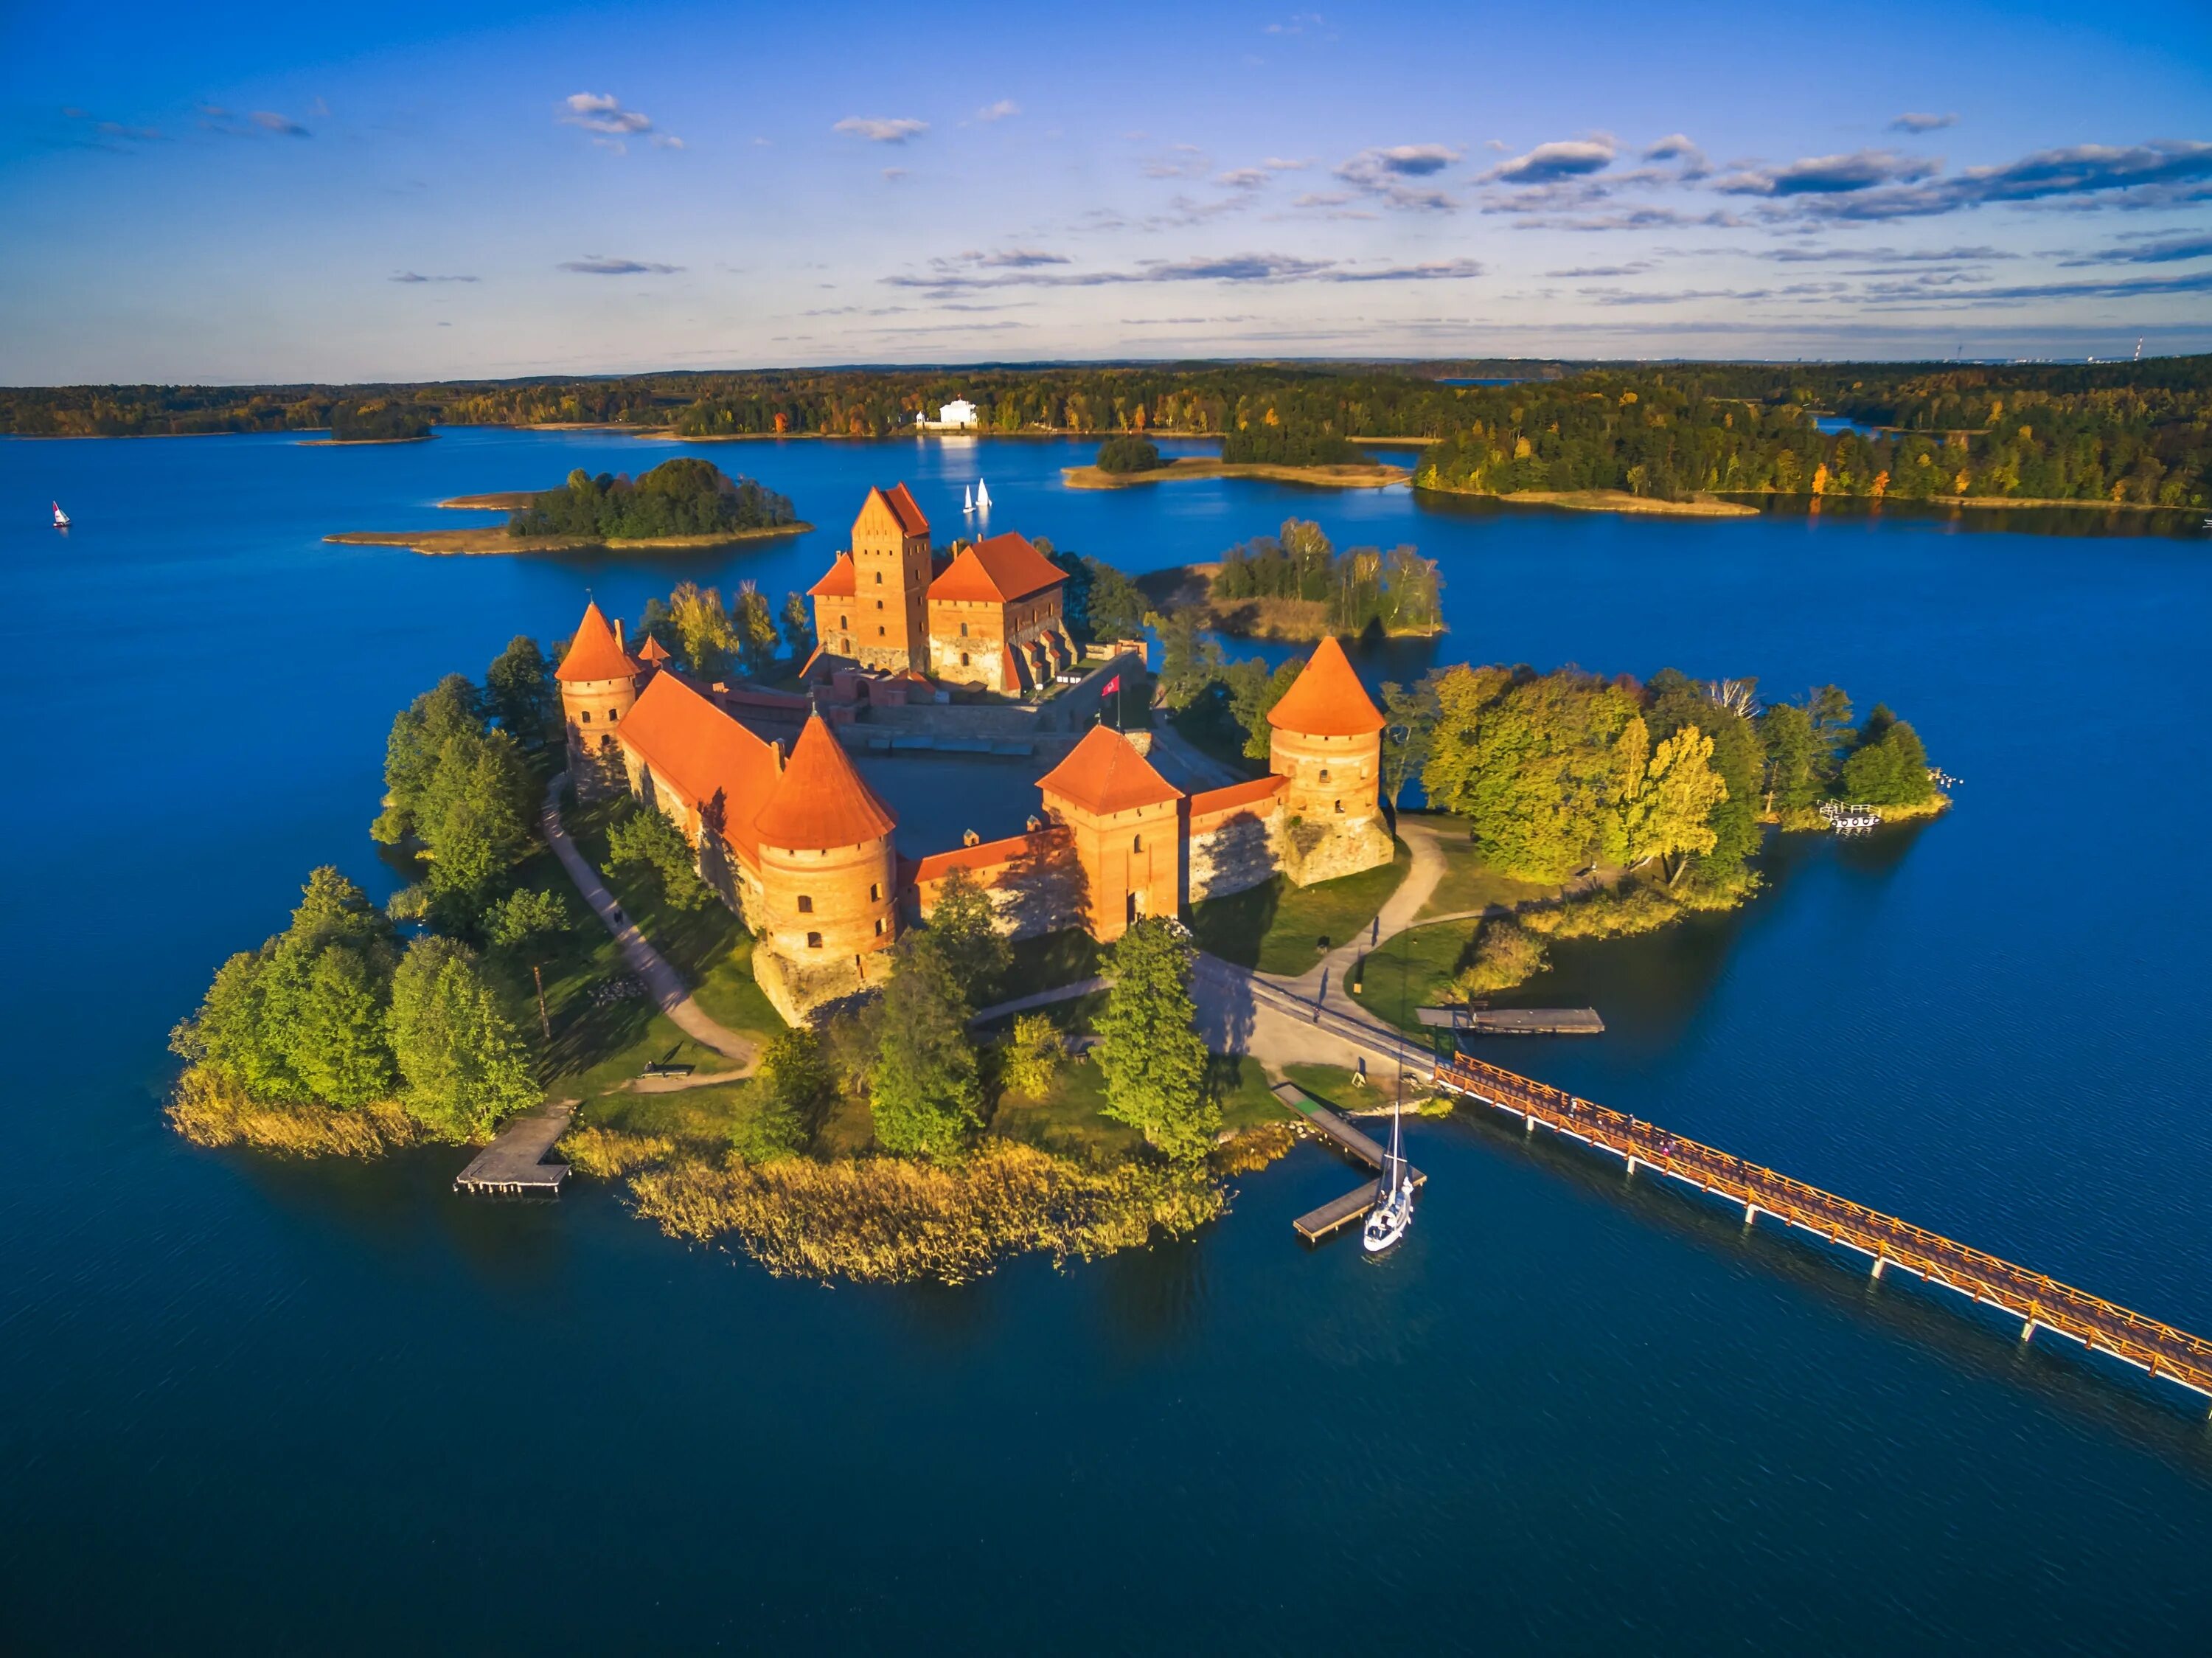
(505, 192)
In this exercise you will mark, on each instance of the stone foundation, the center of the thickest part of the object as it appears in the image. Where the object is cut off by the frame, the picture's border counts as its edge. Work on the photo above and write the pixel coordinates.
(799, 990)
(1314, 850)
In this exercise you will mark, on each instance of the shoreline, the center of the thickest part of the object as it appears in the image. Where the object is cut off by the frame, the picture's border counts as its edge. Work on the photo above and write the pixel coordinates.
(1371, 476)
(356, 442)
(1607, 501)
(492, 541)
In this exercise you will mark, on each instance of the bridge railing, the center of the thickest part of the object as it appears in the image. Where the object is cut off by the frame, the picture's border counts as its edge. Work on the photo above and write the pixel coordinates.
(2030, 1297)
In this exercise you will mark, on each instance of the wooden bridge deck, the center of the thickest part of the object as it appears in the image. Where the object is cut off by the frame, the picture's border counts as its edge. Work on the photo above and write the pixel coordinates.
(1516, 1021)
(2038, 1302)
(514, 1162)
(1330, 1217)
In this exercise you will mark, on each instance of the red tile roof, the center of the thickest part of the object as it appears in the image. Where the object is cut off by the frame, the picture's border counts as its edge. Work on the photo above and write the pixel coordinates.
(838, 584)
(1327, 699)
(990, 854)
(697, 751)
(1235, 794)
(653, 653)
(903, 508)
(820, 800)
(1105, 774)
(595, 653)
(1004, 568)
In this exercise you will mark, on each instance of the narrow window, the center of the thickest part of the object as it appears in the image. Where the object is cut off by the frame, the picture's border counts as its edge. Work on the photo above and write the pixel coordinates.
(588, 716)
(879, 578)
(879, 632)
(879, 926)
(875, 892)
(613, 714)
(964, 629)
(963, 659)
(1136, 843)
(805, 905)
(814, 940)
(1324, 774)
(879, 604)
(1340, 806)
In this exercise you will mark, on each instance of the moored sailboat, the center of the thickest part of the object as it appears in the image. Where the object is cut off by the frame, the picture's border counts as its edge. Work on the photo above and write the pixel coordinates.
(61, 518)
(1394, 1210)
(982, 496)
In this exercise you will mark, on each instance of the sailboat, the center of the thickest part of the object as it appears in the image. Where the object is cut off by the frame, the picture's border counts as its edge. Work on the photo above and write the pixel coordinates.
(968, 504)
(1394, 1211)
(982, 496)
(61, 518)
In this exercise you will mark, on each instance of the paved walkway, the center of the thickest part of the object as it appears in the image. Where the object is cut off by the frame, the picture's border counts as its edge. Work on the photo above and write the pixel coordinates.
(1323, 983)
(663, 982)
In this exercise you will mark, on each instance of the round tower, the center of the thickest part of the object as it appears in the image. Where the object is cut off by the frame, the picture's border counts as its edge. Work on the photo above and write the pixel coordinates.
(829, 877)
(1326, 743)
(600, 680)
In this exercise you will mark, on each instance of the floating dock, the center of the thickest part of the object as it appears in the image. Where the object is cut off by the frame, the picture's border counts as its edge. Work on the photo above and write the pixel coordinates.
(1330, 1217)
(513, 1164)
(1516, 1021)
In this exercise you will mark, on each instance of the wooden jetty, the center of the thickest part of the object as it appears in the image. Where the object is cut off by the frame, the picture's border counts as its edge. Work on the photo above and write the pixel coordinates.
(1516, 1021)
(1330, 1217)
(514, 1164)
(2038, 1302)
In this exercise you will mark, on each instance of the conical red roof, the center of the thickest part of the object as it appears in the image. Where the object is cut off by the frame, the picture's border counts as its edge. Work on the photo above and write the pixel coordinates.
(653, 653)
(820, 801)
(1105, 774)
(595, 653)
(1327, 699)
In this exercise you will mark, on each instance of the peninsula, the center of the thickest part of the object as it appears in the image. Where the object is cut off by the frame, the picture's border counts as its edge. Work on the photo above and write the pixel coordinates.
(1360, 475)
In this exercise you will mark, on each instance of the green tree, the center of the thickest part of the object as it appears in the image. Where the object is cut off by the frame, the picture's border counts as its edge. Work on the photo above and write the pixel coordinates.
(1188, 663)
(1149, 1048)
(925, 1093)
(460, 1057)
(1409, 730)
(754, 626)
(1506, 953)
(1792, 758)
(640, 835)
(419, 734)
(1034, 1054)
(340, 1049)
(1117, 607)
(523, 915)
(1891, 769)
(797, 1083)
(518, 688)
(797, 626)
(964, 924)
(1128, 453)
(474, 820)
(707, 636)
(1253, 693)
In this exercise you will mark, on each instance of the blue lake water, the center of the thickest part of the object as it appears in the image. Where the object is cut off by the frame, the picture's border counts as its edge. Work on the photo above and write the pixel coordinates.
(251, 1404)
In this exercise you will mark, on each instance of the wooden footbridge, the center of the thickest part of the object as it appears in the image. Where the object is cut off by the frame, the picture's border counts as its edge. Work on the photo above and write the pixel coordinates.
(2038, 1302)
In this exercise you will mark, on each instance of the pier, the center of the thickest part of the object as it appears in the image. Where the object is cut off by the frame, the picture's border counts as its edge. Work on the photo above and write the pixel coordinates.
(513, 1164)
(1321, 1222)
(2039, 1303)
(1515, 1021)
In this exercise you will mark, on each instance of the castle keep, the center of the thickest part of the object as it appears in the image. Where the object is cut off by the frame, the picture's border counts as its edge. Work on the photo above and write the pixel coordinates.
(799, 845)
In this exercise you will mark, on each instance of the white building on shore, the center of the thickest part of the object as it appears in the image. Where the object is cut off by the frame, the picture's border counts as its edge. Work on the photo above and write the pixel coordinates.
(957, 416)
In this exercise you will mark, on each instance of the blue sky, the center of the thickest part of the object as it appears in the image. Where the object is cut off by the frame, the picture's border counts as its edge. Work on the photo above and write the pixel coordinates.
(400, 190)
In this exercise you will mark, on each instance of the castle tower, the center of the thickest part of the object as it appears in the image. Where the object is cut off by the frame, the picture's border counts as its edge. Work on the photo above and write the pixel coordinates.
(1126, 822)
(1326, 745)
(889, 606)
(828, 878)
(599, 681)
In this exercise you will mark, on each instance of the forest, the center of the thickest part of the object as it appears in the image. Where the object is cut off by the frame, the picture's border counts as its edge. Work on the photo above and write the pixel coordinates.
(683, 496)
(2138, 433)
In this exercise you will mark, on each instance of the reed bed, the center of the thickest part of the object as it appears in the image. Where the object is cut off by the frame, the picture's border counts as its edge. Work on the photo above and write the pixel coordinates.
(209, 1112)
(610, 1152)
(898, 1220)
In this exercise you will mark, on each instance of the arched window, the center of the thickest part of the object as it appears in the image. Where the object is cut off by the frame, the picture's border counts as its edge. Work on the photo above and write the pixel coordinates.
(879, 578)
(613, 714)
(1137, 842)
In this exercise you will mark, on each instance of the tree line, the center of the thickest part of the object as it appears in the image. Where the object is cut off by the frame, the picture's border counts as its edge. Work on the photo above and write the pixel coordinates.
(683, 497)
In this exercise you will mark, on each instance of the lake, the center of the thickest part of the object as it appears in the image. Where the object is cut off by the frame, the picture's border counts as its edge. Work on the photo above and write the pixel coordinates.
(249, 1405)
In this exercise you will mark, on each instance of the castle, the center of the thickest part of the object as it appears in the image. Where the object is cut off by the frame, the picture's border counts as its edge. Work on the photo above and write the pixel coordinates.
(801, 847)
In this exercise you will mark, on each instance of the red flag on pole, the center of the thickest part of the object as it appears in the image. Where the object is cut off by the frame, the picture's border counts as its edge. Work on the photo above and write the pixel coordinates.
(1110, 686)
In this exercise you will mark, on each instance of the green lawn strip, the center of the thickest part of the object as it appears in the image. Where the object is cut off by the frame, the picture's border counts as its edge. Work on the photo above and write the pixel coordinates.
(1047, 962)
(1241, 1084)
(1469, 883)
(1069, 1119)
(696, 1119)
(1411, 971)
(1279, 928)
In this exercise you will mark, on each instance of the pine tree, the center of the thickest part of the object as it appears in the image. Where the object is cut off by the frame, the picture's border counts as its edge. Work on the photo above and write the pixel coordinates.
(925, 1093)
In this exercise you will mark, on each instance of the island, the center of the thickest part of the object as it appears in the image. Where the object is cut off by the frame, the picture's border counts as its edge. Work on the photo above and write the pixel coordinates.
(684, 502)
(660, 922)
(1360, 475)
(1295, 585)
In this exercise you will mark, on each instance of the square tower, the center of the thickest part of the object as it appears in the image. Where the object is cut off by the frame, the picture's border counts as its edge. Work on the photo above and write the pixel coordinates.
(1126, 822)
(889, 616)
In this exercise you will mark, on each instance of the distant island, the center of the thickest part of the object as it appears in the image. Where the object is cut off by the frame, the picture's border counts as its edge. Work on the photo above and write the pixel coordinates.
(684, 502)
(374, 422)
(1322, 460)
(1295, 585)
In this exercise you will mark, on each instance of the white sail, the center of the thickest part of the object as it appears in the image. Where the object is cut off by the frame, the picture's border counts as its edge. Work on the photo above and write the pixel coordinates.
(982, 496)
(967, 502)
(61, 518)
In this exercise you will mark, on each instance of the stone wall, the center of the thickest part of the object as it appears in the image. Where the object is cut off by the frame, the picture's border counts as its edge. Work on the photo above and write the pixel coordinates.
(1234, 840)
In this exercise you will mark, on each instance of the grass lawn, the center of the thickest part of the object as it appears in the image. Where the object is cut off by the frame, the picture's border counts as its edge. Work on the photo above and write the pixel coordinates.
(1277, 928)
(1468, 883)
(1412, 970)
(1071, 1120)
(1047, 962)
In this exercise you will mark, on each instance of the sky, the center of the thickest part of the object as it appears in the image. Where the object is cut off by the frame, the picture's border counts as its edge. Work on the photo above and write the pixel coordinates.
(244, 193)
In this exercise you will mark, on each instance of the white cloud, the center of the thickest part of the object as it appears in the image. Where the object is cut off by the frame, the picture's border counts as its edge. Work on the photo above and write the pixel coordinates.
(1385, 171)
(1912, 121)
(1572, 158)
(882, 129)
(595, 266)
(999, 111)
